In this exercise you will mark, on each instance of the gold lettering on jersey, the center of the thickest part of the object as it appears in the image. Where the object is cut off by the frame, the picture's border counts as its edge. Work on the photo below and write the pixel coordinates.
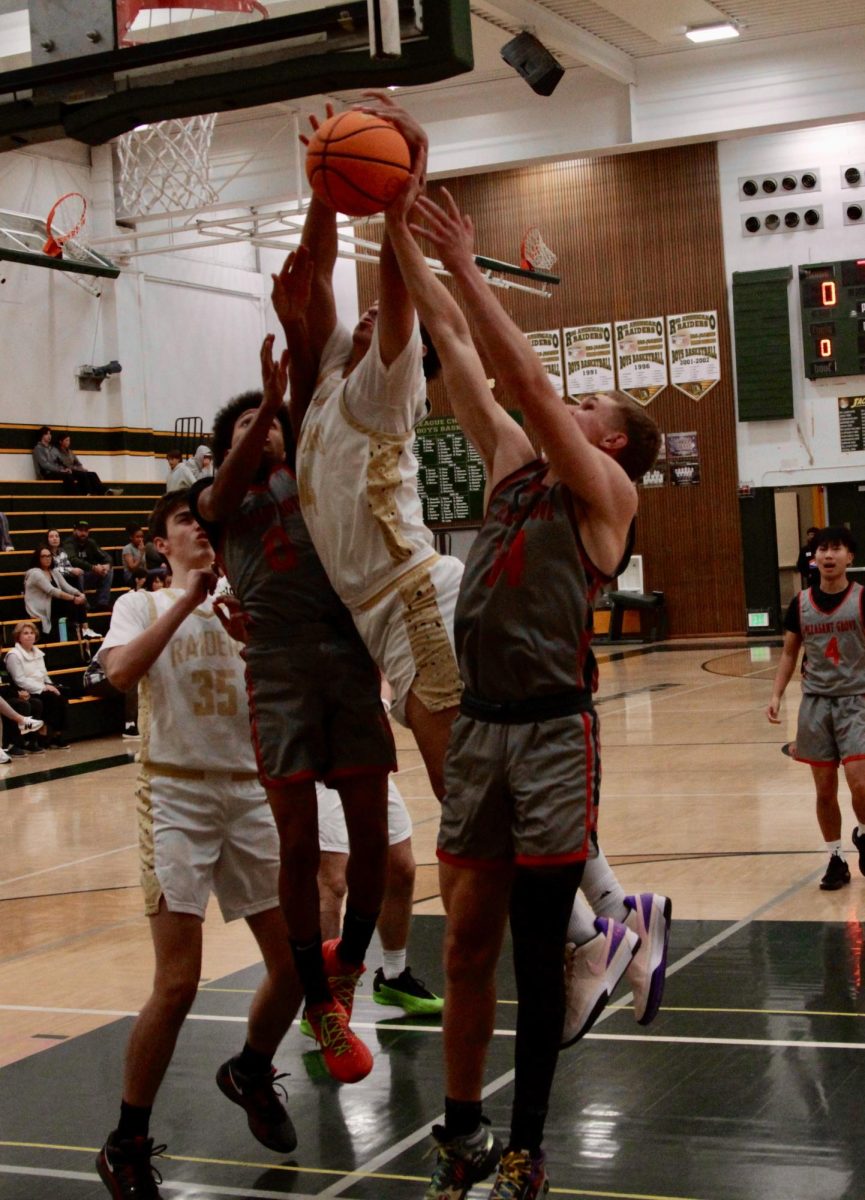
(211, 643)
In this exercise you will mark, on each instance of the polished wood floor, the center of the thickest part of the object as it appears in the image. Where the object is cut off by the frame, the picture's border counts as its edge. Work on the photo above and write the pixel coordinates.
(697, 801)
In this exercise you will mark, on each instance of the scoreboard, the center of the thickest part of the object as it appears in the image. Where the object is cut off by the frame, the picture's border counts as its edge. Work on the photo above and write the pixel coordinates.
(832, 306)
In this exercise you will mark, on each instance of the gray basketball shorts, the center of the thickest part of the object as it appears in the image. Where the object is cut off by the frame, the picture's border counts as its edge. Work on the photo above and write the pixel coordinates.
(524, 793)
(316, 712)
(831, 729)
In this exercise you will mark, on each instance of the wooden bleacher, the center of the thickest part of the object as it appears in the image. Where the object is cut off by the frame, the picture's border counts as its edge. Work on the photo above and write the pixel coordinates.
(33, 508)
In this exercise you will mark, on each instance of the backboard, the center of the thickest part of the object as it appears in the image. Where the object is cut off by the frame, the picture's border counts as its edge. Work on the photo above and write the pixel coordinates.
(21, 240)
(93, 69)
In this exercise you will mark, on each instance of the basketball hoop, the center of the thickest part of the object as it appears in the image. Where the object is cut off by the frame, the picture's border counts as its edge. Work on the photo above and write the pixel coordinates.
(64, 221)
(166, 166)
(128, 11)
(535, 255)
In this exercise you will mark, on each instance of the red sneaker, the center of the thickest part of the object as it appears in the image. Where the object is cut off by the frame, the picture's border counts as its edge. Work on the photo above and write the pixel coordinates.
(341, 978)
(346, 1057)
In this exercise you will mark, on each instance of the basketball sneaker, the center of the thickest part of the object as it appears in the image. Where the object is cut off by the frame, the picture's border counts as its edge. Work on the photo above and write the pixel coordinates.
(837, 874)
(462, 1162)
(265, 1113)
(405, 992)
(125, 1168)
(591, 974)
(649, 917)
(346, 1057)
(342, 979)
(520, 1177)
(859, 843)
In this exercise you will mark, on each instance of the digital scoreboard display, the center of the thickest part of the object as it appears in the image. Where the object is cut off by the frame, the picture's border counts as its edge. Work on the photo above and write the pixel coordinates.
(832, 299)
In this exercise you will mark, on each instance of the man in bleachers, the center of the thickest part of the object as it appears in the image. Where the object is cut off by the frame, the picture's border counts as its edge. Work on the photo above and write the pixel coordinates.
(84, 552)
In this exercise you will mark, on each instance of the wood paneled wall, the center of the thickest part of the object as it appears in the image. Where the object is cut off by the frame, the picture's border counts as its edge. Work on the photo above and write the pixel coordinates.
(637, 235)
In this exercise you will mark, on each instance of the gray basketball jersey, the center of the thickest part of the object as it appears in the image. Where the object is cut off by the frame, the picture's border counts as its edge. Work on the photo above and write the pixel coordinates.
(270, 561)
(834, 663)
(522, 626)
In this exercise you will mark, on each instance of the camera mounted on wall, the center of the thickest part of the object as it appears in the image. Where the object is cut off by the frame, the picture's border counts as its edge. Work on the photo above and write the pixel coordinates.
(90, 378)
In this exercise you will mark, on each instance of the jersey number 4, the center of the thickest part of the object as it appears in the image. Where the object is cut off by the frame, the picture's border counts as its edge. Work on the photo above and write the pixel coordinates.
(832, 652)
(279, 550)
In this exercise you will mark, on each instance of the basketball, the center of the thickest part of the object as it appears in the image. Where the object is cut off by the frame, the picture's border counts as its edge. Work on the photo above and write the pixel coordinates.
(357, 163)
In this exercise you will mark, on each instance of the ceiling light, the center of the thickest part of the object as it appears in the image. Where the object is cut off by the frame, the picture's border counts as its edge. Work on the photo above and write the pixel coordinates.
(711, 33)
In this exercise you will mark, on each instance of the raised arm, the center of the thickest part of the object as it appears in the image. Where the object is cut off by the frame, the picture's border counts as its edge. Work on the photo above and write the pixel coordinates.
(498, 439)
(588, 472)
(319, 238)
(232, 481)
(290, 297)
(125, 665)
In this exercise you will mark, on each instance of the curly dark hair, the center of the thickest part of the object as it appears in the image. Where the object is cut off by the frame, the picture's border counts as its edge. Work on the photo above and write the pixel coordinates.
(227, 417)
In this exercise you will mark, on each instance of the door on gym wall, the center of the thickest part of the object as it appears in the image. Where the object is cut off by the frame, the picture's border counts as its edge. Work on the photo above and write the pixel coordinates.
(845, 505)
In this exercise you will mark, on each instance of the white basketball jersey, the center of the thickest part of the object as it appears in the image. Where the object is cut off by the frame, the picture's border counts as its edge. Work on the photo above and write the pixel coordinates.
(193, 710)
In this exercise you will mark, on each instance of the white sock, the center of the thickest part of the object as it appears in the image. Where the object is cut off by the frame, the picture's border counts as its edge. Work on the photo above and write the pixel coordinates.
(604, 893)
(834, 848)
(393, 962)
(581, 927)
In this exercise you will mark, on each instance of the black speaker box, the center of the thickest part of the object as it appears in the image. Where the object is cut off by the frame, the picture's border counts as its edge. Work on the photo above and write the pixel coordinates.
(534, 62)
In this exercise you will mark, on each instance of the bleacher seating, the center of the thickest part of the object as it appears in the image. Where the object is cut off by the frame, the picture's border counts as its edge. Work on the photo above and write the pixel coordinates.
(32, 509)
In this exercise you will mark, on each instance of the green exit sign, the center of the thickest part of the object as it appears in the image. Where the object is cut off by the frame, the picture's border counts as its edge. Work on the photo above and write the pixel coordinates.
(758, 618)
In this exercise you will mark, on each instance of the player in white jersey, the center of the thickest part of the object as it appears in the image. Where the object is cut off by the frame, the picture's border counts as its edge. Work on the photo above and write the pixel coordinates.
(357, 479)
(829, 620)
(204, 825)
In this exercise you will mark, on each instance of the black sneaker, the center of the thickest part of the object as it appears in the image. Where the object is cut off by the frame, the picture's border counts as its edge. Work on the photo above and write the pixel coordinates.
(125, 1168)
(462, 1162)
(16, 751)
(837, 874)
(130, 730)
(405, 992)
(268, 1121)
(858, 842)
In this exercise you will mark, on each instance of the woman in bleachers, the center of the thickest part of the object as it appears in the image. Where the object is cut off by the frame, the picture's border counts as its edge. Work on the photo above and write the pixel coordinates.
(72, 575)
(47, 595)
(25, 663)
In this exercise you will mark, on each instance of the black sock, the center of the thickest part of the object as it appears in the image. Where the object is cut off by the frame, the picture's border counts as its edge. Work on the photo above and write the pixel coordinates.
(134, 1121)
(253, 1062)
(310, 969)
(357, 931)
(461, 1117)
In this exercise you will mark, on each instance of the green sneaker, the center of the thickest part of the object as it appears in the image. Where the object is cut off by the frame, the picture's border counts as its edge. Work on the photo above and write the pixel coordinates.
(407, 993)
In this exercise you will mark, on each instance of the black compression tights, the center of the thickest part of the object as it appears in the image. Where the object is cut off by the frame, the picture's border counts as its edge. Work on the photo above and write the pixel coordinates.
(541, 903)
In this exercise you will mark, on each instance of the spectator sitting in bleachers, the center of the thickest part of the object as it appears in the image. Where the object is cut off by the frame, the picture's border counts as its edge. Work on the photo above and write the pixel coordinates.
(25, 663)
(73, 575)
(202, 461)
(47, 462)
(18, 725)
(48, 597)
(180, 473)
(86, 481)
(5, 539)
(135, 569)
(84, 552)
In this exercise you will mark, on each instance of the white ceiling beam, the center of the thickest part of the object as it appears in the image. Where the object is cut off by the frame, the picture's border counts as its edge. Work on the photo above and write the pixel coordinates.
(567, 38)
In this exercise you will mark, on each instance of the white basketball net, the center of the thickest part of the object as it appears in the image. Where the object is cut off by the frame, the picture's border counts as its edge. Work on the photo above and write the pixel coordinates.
(166, 166)
(536, 252)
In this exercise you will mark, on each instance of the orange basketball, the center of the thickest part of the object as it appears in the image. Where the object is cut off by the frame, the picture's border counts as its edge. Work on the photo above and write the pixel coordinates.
(357, 163)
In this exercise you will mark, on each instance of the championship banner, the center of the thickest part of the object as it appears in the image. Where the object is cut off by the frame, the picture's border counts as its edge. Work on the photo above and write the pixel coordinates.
(641, 358)
(589, 359)
(547, 344)
(695, 356)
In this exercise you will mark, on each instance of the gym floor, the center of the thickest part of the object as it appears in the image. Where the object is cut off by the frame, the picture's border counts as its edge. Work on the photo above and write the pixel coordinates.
(747, 1085)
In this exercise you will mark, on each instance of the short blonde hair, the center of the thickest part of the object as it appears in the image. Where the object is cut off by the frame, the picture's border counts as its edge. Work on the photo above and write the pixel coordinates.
(21, 626)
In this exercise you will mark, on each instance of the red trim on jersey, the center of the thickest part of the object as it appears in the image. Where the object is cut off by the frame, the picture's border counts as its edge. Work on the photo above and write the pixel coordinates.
(357, 772)
(818, 762)
(473, 864)
(526, 468)
(852, 758)
(550, 860)
(827, 612)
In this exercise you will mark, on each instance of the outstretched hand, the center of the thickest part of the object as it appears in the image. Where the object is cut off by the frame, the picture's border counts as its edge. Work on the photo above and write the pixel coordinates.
(315, 123)
(450, 231)
(291, 287)
(382, 104)
(274, 375)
